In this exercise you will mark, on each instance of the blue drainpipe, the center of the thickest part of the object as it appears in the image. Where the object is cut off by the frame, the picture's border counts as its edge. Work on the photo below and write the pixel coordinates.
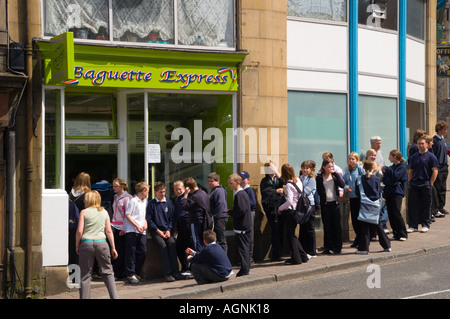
(403, 143)
(353, 76)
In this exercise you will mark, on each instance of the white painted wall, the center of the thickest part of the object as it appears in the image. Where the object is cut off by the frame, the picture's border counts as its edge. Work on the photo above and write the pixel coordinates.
(55, 231)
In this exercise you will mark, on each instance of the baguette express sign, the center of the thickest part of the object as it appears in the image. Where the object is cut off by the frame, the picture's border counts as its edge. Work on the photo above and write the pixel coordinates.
(137, 68)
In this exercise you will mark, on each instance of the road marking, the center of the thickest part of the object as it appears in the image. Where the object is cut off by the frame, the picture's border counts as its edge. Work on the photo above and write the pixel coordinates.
(428, 294)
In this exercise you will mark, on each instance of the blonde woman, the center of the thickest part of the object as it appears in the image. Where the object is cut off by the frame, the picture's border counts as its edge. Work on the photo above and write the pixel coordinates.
(93, 228)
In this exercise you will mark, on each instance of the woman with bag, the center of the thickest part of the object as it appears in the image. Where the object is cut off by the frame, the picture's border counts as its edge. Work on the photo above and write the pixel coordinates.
(294, 188)
(328, 184)
(368, 190)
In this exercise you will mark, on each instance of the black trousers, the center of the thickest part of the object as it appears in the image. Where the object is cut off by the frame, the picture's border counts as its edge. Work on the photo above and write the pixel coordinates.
(441, 186)
(355, 204)
(243, 246)
(307, 236)
(364, 242)
(277, 223)
(183, 240)
(168, 253)
(419, 205)
(205, 275)
(394, 207)
(332, 229)
(220, 225)
(298, 255)
(119, 263)
(135, 251)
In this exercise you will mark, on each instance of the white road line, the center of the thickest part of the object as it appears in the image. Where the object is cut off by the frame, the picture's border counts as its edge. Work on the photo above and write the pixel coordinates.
(428, 294)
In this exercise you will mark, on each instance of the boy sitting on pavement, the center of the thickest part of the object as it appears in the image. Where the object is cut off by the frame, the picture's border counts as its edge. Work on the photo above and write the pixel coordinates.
(211, 264)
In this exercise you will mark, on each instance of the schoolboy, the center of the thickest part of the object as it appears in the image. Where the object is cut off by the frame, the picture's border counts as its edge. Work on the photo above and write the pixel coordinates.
(251, 195)
(218, 207)
(242, 222)
(135, 226)
(160, 220)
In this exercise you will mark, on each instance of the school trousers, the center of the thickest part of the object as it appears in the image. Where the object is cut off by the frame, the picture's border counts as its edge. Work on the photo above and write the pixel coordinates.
(355, 204)
(168, 253)
(441, 185)
(89, 252)
(364, 241)
(307, 235)
(332, 229)
(183, 240)
(135, 251)
(276, 223)
(394, 207)
(298, 255)
(205, 275)
(119, 262)
(243, 246)
(419, 205)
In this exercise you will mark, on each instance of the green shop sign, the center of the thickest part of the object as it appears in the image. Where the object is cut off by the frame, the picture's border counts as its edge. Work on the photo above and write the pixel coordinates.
(144, 68)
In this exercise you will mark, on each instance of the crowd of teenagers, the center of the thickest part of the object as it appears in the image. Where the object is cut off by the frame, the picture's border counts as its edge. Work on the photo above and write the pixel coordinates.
(190, 230)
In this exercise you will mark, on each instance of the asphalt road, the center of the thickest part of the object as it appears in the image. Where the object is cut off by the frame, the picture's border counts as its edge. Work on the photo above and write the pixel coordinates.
(424, 276)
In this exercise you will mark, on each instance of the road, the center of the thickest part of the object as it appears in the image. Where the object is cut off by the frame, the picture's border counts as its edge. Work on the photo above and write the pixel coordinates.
(424, 276)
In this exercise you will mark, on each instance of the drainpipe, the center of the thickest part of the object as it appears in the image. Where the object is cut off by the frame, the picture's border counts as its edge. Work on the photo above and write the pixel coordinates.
(30, 139)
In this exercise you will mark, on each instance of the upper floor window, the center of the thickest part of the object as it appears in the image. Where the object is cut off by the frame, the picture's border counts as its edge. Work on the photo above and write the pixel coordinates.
(209, 23)
(416, 18)
(318, 9)
(378, 13)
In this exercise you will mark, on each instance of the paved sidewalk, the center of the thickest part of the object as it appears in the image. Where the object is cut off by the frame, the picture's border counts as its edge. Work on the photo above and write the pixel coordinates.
(438, 237)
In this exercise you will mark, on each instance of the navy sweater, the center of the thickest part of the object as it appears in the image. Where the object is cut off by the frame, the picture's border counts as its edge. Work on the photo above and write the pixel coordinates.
(242, 217)
(160, 215)
(440, 150)
(195, 212)
(215, 257)
(218, 202)
(394, 180)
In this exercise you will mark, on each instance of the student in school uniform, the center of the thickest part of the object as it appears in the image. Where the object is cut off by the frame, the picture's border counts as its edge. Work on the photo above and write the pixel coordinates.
(368, 190)
(242, 222)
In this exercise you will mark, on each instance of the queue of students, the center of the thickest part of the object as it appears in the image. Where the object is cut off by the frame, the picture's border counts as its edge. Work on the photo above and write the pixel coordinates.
(191, 229)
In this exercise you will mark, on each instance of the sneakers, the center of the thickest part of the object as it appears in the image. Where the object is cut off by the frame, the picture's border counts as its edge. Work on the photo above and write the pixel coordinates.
(424, 229)
(133, 279)
(412, 230)
(361, 252)
(388, 250)
(439, 215)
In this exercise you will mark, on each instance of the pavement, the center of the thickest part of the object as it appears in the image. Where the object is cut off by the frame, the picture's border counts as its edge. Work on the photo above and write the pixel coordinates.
(438, 237)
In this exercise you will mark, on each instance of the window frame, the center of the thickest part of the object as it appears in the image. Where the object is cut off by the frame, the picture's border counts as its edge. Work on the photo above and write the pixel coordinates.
(111, 41)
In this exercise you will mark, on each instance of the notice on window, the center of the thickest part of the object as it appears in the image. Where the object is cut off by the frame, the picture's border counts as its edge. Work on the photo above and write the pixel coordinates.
(87, 129)
(154, 153)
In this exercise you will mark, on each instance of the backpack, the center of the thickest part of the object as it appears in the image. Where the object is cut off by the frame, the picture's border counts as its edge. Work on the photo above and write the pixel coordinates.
(303, 210)
(74, 214)
(208, 221)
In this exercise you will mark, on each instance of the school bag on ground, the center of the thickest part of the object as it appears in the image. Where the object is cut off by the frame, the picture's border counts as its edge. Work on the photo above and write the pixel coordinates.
(303, 210)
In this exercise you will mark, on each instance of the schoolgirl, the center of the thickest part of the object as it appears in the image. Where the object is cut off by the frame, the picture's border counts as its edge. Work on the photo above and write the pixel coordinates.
(351, 172)
(394, 179)
(298, 255)
(307, 234)
(328, 184)
(368, 190)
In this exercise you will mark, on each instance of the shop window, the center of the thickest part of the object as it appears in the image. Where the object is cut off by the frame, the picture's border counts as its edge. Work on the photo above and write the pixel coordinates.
(90, 116)
(378, 13)
(378, 117)
(317, 123)
(52, 139)
(321, 10)
(181, 125)
(209, 23)
(415, 119)
(416, 19)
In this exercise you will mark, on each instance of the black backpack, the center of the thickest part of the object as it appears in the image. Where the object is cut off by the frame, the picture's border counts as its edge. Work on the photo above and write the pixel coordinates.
(74, 214)
(303, 210)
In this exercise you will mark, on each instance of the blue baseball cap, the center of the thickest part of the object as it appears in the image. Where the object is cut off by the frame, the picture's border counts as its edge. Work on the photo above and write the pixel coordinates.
(244, 174)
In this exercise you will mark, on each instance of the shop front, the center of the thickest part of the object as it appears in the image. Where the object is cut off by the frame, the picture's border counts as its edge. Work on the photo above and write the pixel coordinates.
(136, 113)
